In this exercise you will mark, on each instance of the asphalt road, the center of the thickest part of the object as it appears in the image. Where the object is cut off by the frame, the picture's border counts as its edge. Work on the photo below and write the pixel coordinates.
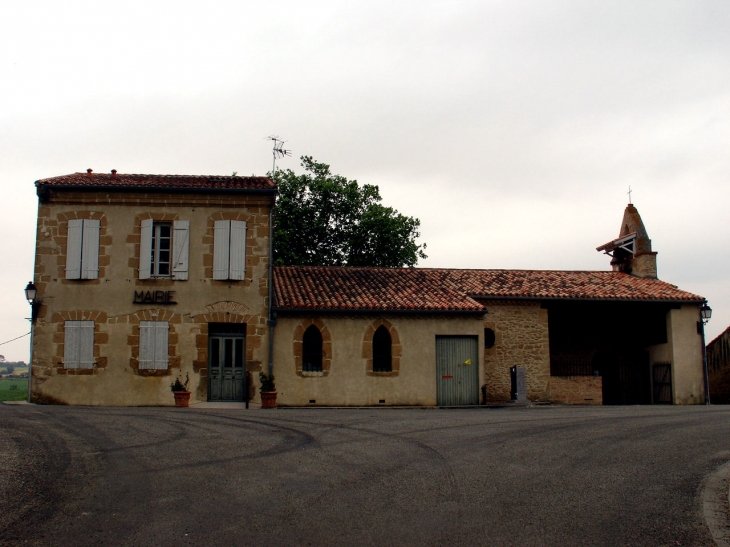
(607, 476)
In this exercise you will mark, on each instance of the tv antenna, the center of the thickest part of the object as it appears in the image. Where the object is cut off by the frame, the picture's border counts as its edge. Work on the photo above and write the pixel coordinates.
(278, 151)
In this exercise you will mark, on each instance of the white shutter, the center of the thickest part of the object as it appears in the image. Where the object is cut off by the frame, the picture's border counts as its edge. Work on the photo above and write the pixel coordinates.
(161, 332)
(146, 344)
(86, 344)
(238, 250)
(73, 249)
(180, 247)
(71, 344)
(145, 249)
(153, 336)
(90, 250)
(221, 249)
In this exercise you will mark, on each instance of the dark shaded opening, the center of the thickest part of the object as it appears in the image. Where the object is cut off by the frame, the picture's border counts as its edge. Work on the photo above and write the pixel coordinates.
(382, 354)
(226, 328)
(489, 338)
(607, 339)
(312, 350)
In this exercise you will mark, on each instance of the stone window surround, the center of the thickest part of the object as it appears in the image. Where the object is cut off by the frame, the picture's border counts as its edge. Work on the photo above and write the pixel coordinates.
(60, 235)
(367, 348)
(209, 241)
(135, 239)
(299, 348)
(101, 339)
(174, 361)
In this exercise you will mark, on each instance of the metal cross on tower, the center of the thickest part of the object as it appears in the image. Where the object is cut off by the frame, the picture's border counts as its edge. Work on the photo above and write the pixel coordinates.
(629, 193)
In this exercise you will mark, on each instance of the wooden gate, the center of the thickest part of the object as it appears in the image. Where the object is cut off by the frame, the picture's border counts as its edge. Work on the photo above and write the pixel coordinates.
(227, 366)
(457, 370)
(662, 383)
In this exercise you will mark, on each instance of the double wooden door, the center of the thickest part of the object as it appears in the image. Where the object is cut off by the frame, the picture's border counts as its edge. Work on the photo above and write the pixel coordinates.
(227, 367)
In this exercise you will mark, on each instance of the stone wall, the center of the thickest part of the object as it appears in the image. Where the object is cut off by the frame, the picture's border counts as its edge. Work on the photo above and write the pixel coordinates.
(521, 339)
(576, 390)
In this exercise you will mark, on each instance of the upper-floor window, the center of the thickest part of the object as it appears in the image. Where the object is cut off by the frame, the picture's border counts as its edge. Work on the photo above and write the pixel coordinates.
(82, 249)
(164, 249)
(229, 250)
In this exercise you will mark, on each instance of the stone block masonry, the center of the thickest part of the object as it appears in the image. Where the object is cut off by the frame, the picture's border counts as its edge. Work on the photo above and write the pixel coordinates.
(521, 338)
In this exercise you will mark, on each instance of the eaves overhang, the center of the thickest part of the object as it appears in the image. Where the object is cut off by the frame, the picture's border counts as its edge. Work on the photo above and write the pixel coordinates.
(43, 188)
(588, 299)
(376, 311)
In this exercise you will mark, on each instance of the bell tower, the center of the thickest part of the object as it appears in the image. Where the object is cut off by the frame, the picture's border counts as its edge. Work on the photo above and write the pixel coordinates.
(631, 252)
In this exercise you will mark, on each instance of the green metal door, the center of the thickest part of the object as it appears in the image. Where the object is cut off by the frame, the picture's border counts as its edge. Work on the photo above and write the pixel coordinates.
(227, 367)
(457, 370)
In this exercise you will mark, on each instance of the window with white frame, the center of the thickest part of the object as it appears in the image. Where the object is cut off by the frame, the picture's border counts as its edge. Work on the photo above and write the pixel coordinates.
(229, 250)
(82, 249)
(78, 344)
(153, 337)
(164, 249)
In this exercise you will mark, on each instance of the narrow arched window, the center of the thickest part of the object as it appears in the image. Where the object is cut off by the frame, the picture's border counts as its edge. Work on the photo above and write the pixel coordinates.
(382, 354)
(312, 350)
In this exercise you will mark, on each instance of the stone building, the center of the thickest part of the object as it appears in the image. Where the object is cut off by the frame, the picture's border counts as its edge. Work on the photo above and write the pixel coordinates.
(142, 279)
(718, 365)
(582, 337)
(146, 278)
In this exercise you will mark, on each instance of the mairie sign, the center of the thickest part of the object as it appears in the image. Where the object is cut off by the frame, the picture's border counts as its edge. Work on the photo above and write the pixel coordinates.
(154, 297)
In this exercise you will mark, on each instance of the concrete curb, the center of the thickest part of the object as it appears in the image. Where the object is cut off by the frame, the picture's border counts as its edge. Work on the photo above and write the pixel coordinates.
(715, 500)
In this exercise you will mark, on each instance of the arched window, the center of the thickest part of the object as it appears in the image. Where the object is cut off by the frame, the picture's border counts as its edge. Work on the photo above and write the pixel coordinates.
(312, 350)
(382, 350)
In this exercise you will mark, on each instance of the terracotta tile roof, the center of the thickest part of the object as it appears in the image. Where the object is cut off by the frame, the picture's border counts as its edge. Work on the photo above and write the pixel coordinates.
(443, 290)
(167, 182)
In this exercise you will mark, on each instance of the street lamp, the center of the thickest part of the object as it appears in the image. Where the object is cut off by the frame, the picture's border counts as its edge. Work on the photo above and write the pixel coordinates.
(30, 296)
(705, 314)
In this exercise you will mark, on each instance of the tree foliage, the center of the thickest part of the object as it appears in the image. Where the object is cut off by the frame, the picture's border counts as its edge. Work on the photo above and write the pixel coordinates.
(326, 220)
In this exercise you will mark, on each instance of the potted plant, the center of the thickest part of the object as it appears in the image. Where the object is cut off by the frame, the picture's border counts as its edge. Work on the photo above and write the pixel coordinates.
(268, 390)
(180, 391)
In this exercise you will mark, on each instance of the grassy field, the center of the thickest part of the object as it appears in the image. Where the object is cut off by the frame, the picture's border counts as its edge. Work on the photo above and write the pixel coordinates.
(10, 393)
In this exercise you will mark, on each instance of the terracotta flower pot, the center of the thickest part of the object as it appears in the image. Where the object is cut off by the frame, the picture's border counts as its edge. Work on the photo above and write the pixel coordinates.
(268, 399)
(182, 398)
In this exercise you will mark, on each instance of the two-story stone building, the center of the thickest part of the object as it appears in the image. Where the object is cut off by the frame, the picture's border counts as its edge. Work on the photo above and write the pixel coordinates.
(145, 278)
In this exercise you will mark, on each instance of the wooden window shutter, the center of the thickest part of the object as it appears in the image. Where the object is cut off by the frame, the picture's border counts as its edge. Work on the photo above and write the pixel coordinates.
(161, 336)
(73, 249)
(86, 344)
(153, 340)
(146, 344)
(238, 250)
(221, 248)
(90, 250)
(145, 249)
(71, 341)
(181, 249)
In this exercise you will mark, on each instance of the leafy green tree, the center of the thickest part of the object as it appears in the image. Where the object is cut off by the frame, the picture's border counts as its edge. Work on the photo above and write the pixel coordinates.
(326, 220)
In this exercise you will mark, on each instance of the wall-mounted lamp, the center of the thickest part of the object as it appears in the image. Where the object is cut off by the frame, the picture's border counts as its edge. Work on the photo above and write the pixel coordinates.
(705, 314)
(30, 296)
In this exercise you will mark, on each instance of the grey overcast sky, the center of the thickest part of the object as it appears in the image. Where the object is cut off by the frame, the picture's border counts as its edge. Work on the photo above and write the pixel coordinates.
(512, 129)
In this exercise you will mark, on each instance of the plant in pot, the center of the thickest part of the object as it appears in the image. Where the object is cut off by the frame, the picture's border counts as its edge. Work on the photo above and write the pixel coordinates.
(180, 391)
(268, 390)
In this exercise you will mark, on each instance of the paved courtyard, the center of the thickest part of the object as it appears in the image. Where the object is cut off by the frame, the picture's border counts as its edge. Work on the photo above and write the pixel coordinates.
(606, 476)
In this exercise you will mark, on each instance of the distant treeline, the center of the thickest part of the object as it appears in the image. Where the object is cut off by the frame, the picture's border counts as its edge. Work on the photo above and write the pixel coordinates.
(4, 363)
